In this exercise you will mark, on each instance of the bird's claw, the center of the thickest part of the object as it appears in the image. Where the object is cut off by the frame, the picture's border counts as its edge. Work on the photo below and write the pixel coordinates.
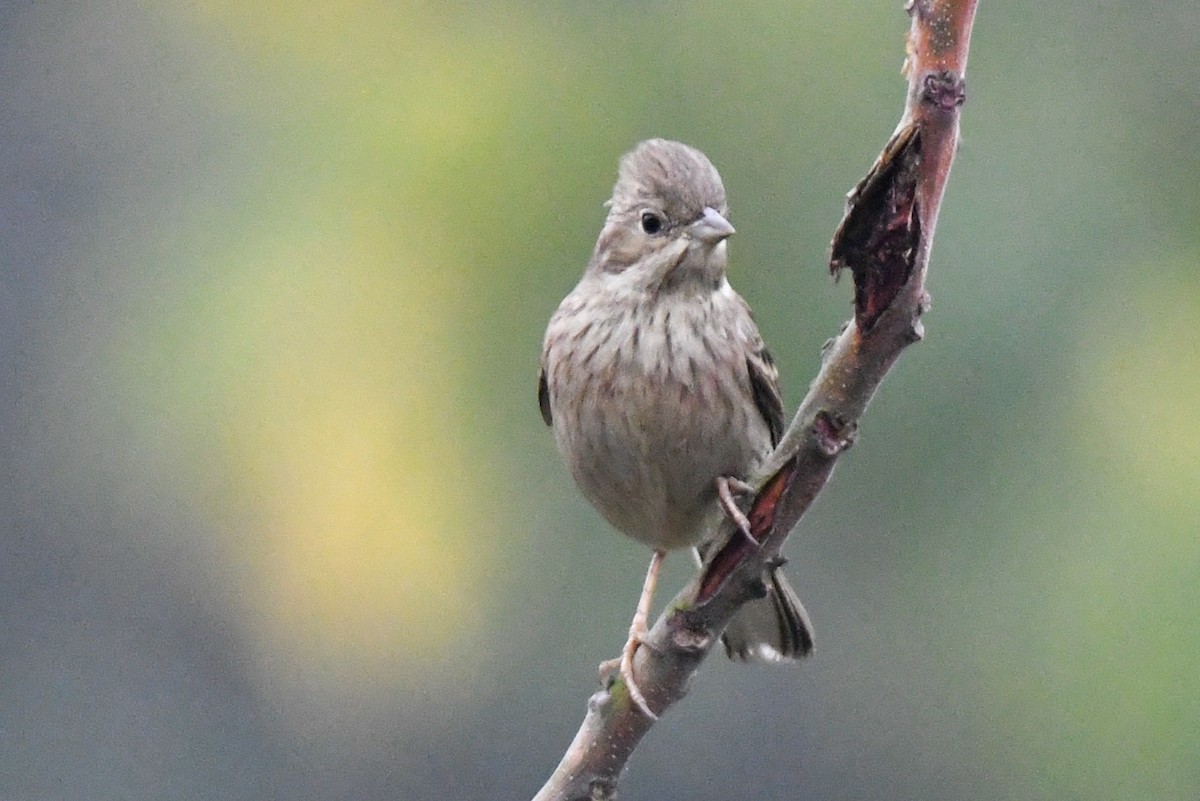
(624, 667)
(726, 486)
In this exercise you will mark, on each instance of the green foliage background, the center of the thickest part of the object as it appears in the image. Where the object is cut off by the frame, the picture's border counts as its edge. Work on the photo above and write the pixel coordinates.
(279, 517)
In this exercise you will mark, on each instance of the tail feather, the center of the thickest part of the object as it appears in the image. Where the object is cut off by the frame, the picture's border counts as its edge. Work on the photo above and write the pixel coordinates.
(774, 628)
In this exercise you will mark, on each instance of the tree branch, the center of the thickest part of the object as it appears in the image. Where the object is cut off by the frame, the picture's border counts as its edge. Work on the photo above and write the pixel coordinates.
(884, 240)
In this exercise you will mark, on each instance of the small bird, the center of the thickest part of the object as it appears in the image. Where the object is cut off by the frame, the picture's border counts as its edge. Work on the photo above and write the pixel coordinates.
(660, 391)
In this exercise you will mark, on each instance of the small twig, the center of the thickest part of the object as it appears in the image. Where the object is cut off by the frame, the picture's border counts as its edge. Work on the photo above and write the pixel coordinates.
(884, 240)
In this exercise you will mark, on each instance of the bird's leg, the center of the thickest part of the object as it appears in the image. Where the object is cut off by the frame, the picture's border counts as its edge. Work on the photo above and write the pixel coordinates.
(726, 486)
(637, 634)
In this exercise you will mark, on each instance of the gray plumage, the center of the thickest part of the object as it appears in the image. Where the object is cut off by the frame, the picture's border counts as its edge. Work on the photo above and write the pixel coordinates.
(656, 381)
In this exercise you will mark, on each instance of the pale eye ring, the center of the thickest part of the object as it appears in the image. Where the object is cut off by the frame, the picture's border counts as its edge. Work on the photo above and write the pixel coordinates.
(652, 223)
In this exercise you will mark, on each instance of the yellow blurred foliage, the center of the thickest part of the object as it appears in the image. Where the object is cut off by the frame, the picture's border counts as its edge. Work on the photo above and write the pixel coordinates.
(345, 437)
(315, 367)
(1143, 389)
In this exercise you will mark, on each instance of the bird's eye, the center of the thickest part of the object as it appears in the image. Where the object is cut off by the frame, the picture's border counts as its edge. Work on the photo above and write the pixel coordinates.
(651, 223)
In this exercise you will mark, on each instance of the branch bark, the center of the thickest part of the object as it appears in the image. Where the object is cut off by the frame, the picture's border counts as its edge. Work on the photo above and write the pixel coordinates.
(884, 239)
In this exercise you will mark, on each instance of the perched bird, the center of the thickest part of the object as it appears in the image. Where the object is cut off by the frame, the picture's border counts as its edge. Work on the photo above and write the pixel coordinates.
(659, 389)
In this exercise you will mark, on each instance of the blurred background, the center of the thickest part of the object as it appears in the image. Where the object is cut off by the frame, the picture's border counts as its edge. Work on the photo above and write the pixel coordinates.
(278, 514)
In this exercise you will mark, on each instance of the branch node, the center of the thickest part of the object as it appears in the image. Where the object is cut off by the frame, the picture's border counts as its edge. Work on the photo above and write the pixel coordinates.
(833, 433)
(915, 333)
(602, 790)
(945, 90)
(691, 640)
(756, 587)
(597, 700)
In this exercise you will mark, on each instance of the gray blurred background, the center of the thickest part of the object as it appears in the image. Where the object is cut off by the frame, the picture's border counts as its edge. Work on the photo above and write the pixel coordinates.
(279, 517)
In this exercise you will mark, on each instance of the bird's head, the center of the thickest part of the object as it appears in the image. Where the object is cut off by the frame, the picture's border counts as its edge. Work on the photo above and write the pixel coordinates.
(667, 219)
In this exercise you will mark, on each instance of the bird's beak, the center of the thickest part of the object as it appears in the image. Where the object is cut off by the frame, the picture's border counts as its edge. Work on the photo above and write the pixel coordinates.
(711, 228)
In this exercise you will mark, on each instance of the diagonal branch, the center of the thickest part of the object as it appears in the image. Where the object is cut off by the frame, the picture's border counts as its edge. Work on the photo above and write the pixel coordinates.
(884, 241)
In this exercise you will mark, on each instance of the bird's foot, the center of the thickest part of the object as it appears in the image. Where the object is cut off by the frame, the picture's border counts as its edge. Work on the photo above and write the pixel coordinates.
(637, 637)
(726, 486)
(624, 666)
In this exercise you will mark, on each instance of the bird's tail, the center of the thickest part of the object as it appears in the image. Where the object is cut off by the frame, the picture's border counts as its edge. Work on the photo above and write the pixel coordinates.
(774, 628)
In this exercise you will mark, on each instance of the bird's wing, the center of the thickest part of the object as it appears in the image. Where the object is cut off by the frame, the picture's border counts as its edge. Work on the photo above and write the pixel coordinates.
(544, 397)
(764, 386)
